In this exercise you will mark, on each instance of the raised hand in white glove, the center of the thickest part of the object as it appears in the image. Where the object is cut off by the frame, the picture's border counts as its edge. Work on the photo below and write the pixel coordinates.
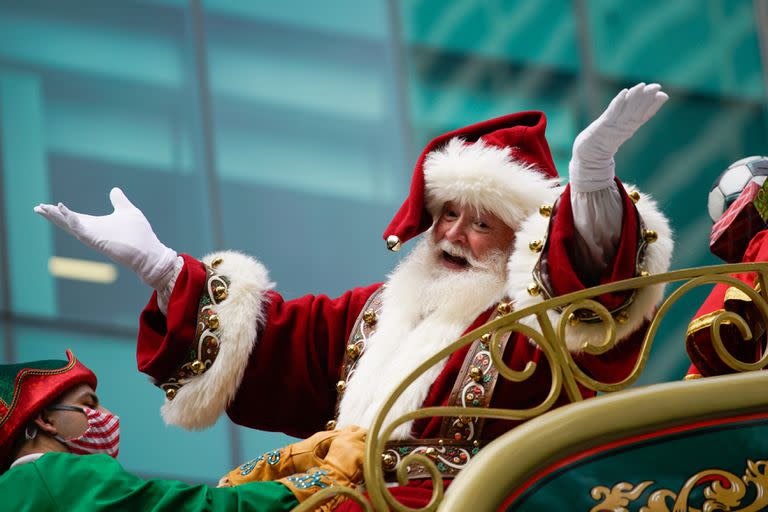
(124, 236)
(592, 166)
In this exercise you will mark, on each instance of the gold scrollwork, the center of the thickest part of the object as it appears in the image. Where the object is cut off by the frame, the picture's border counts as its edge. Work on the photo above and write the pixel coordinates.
(725, 492)
(617, 497)
(534, 323)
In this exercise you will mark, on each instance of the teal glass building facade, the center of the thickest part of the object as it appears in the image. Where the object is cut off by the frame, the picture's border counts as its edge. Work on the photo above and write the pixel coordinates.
(288, 130)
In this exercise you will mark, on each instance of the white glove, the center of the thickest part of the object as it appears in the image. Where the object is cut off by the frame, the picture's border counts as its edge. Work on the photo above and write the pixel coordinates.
(124, 236)
(592, 167)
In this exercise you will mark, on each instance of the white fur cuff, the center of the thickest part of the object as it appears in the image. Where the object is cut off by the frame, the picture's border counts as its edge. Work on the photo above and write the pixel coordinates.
(656, 261)
(203, 398)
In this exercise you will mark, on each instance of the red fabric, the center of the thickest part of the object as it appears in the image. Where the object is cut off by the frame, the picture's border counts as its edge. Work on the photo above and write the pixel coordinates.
(523, 132)
(34, 389)
(560, 246)
(165, 342)
(291, 379)
(699, 346)
(415, 495)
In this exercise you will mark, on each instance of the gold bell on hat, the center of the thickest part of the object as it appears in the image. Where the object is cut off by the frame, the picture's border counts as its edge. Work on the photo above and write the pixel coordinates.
(393, 243)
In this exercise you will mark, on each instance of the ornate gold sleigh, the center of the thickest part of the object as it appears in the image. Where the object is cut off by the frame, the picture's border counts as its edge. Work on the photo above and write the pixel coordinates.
(698, 445)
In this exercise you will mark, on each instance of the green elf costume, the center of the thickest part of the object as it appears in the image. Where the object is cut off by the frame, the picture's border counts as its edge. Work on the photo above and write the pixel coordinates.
(86, 476)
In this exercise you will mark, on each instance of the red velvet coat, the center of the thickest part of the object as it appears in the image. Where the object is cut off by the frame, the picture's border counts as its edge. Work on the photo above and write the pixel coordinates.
(289, 377)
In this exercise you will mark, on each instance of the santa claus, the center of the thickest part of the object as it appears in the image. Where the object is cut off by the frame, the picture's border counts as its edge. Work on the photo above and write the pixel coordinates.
(499, 233)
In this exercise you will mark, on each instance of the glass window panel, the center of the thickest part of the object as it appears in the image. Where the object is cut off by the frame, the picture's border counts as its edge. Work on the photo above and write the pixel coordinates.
(448, 92)
(106, 101)
(347, 17)
(308, 149)
(147, 445)
(708, 47)
(522, 31)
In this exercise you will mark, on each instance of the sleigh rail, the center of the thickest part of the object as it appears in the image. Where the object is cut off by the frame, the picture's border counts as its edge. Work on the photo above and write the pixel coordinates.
(517, 464)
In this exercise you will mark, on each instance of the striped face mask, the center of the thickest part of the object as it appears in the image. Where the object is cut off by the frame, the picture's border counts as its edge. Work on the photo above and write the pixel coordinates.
(101, 436)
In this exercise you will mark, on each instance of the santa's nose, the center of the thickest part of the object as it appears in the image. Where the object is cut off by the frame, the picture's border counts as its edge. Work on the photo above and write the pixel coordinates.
(456, 233)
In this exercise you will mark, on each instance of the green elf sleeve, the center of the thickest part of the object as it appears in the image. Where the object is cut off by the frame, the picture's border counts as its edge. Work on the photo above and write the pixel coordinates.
(99, 482)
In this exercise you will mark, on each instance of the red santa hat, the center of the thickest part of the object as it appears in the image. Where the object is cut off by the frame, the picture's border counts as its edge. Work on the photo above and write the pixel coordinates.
(502, 166)
(27, 388)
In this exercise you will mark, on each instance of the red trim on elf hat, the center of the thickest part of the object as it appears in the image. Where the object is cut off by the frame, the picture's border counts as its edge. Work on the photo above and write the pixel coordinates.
(35, 385)
(520, 136)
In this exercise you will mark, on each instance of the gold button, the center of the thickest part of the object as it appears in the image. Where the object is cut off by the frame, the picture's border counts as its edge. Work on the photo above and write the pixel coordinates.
(431, 452)
(213, 321)
(536, 245)
(485, 338)
(369, 317)
(388, 461)
(622, 317)
(533, 289)
(573, 319)
(440, 442)
(341, 386)
(545, 210)
(197, 366)
(504, 308)
(216, 261)
(644, 273)
(476, 443)
(330, 425)
(470, 396)
(219, 292)
(393, 243)
(476, 373)
(170, 393)
(650, 236)
(353, 350)
(635, 196)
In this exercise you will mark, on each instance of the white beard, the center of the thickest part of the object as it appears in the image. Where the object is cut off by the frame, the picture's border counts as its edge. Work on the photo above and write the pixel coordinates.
(425, 307)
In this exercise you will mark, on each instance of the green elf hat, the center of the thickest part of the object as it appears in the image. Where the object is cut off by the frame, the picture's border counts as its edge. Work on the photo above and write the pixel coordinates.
(27, 388)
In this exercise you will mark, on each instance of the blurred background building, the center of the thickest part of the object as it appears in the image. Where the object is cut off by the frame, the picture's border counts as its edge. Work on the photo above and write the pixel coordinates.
(288, 130)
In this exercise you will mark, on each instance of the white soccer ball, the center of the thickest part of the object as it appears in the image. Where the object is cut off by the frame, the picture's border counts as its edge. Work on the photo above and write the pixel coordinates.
(732, 181)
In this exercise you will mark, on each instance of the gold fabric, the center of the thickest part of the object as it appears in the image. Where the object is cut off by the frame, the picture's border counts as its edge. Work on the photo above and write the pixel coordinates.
(320, 461)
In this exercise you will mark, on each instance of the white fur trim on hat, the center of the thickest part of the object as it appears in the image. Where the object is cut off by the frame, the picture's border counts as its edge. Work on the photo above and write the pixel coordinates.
(200, 402)
(657, 259)
(485, 177)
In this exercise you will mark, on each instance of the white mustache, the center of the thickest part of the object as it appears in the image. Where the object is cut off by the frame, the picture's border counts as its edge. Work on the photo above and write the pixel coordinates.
(492, 262)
